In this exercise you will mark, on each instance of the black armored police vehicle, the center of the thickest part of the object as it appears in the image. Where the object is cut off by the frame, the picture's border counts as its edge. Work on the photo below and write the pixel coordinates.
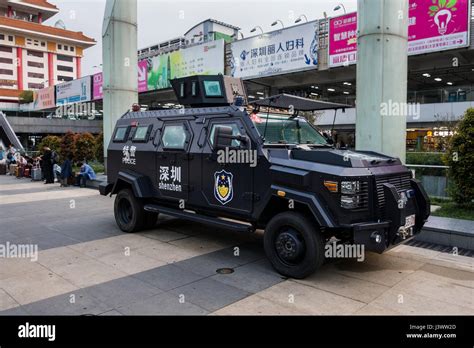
(219, 163)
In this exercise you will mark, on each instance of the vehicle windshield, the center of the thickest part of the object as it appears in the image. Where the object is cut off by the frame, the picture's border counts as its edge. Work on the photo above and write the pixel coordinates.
(286, 130)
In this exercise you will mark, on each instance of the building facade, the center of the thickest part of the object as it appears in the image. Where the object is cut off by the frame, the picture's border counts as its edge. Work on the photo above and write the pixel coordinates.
(34, 55)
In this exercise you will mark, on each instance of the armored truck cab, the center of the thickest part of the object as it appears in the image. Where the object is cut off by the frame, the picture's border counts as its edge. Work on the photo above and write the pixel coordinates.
(217, 164)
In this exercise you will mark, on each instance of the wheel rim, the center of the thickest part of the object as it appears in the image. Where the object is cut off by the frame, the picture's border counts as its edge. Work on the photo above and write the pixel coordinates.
(290, 246)
(125, 211)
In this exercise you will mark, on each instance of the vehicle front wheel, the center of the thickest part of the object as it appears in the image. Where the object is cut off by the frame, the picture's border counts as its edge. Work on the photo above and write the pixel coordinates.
(128, 211)
(294, 246)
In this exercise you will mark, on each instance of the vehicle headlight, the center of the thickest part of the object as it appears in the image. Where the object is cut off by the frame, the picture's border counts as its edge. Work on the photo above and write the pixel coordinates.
(350, 187)
(349, 202)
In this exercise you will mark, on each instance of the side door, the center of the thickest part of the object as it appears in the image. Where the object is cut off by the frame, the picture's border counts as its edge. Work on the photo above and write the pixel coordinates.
(172, 166)
(227, 180)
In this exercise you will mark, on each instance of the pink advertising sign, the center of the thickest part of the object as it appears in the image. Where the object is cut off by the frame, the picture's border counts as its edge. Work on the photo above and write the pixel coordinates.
(437, 25)
(434, 25)
(343, 40)
(98, 81)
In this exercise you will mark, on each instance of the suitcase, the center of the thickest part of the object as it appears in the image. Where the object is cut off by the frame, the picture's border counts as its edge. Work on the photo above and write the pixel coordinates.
(27, 173)
(19, 171)
(36, 174)
(3, 169)
(13, 169)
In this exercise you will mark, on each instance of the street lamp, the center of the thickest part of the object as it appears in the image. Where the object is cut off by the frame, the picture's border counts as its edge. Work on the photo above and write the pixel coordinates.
(338, 7)
(278, 21)
(255, 29)
(236, 35)
(299, 18)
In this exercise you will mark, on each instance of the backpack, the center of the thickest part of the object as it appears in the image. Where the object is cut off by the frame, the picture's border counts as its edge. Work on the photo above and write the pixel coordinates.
(54, 157)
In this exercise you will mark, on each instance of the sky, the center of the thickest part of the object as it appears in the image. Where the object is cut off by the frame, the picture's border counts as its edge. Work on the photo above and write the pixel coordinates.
(161, 20)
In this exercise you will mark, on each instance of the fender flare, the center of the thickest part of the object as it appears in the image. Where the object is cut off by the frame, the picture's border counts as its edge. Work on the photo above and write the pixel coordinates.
(322, 216)
(140, 184)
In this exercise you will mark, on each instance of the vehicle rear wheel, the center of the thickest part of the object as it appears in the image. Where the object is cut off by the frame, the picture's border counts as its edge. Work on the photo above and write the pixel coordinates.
(128, 211)
(293, 245)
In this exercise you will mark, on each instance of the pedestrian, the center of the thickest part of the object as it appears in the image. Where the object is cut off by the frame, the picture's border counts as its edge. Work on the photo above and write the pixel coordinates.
(66, 170)
(48, 163)
(86, 173)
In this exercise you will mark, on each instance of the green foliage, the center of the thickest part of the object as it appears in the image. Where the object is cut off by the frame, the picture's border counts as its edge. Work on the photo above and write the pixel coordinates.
(460, 158)
(427, 158)
(26, 97)
(51, 141)
(99, 147)
(85, 147)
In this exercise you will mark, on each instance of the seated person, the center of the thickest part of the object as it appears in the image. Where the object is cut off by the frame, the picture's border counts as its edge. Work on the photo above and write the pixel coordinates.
(86, 173)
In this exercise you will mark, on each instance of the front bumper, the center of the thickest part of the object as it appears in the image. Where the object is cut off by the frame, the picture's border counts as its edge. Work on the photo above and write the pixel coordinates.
(380, 236)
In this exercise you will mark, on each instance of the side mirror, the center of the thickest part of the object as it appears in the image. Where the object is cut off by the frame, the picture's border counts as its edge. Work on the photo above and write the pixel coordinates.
(222, 137)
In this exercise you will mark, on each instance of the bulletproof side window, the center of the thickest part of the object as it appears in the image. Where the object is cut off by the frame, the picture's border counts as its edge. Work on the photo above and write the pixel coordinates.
(235, 131)
(175, 137)
(121, 134)
(142, 133)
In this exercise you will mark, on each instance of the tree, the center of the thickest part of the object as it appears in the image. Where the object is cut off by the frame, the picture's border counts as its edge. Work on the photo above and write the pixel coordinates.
(460, 159)
(26, 97)
(51, 141)
(99, 147)
(85, 147)
(68, 145)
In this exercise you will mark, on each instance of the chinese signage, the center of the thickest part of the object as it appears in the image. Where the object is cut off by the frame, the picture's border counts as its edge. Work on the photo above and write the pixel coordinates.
(437, 26)
(74, 91)
(43, 98)
(277, 52)
(170, 178)
(204, 59)
(433, 25)
(343, 40)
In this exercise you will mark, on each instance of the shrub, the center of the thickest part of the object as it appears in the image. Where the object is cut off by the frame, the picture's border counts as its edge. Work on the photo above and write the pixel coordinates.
(460, 158)
(99, 147)
(85, 147)
(68, 145)
(26, 97)
(51, 141)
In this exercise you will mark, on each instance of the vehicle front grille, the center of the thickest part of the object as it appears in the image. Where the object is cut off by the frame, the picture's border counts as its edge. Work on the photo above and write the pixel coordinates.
(362, 196)
(400, 181)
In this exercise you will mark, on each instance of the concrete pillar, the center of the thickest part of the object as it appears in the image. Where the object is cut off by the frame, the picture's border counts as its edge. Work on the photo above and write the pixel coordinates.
(119, 56)
(382, 76)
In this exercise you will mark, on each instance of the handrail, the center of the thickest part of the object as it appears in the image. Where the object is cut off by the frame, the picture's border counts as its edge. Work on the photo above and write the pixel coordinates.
(427, 166)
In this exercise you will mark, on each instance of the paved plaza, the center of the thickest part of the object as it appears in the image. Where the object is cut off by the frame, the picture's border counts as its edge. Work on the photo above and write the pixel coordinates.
(86, 266)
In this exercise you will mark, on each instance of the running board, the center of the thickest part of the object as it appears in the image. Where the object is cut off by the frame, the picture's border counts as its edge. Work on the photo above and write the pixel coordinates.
(208, 220)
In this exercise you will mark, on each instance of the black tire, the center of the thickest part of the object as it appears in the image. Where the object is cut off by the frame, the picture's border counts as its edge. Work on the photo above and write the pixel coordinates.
(294, 246)
(129, 212)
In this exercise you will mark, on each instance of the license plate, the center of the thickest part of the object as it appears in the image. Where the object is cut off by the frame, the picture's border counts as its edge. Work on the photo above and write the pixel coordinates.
(410, 221)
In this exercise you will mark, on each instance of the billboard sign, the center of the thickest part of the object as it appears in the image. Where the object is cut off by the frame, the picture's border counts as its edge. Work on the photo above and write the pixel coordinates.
(343, 40)
(75, 91)
(433, 26)
(97, 84)
(43, 98)
(98, 81)
(204, 59)
(437, 25)
(277, 52)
